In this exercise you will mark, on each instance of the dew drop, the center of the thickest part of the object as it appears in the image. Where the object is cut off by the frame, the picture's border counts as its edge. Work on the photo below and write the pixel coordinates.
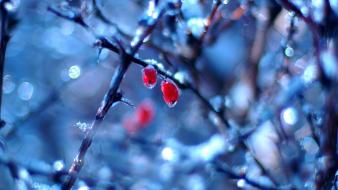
(74, 72)
(11, 6)
(23, 174)
(168, 154)
(58, 165)
(83, 187)
(289, 52)
(289, 116)
(9, 85)
(309, 74)
(225, 2)
(241, 183)
(105, 173)
(25, 91)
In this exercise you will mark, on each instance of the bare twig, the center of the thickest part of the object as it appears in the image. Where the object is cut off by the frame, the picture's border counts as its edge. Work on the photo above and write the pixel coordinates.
(4, 38)
(327, 174)
(210, 19)
(105, 43)
(329, 138)
(219, 166)
(316, 35)
(15, 167)
(224, 168)
(111, 97)
(57, 176)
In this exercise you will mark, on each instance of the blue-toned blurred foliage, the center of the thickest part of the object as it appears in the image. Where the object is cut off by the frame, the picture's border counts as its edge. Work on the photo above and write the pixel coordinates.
(258, 67)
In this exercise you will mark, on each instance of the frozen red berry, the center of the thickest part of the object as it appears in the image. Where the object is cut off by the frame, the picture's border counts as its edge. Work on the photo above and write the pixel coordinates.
(149, 76)
(145, 112)
(170, 93)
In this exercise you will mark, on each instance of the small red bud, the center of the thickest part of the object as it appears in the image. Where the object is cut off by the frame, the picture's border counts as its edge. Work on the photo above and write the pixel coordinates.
(131, 125)
(145, 112)
(140, 118)
(170, 93)
(149, 76)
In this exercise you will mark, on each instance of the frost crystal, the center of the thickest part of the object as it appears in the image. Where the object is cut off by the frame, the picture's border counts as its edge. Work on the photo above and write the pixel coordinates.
(180, 76)
(210, 149)
(82, 126)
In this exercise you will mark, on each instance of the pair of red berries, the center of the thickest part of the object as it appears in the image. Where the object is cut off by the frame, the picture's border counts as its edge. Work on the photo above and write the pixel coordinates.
(169, 89)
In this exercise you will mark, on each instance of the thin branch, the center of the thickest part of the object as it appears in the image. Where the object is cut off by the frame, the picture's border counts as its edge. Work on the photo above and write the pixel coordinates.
(291, 7)
(218, 165)
(14, 168)
(4, 38)
(51, 99)
(111, 97)
(316, 35)
(328, 147)
(57, 176)
(100, 14)
(224, 168)
(185, 85)
(210, 19)
(105, 43)
(73, 16)
(219, 26)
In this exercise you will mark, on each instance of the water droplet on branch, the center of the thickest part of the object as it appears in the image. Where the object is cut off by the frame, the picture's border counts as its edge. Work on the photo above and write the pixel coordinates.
(74, 72)
(25, 91)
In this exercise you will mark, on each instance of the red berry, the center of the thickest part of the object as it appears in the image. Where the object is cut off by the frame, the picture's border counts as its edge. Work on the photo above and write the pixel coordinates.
(140, 118)
(170, 93)
(145, 112)
(149, 76)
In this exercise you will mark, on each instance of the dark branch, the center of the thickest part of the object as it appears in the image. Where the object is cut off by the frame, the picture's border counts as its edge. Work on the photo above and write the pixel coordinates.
(4, 38)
